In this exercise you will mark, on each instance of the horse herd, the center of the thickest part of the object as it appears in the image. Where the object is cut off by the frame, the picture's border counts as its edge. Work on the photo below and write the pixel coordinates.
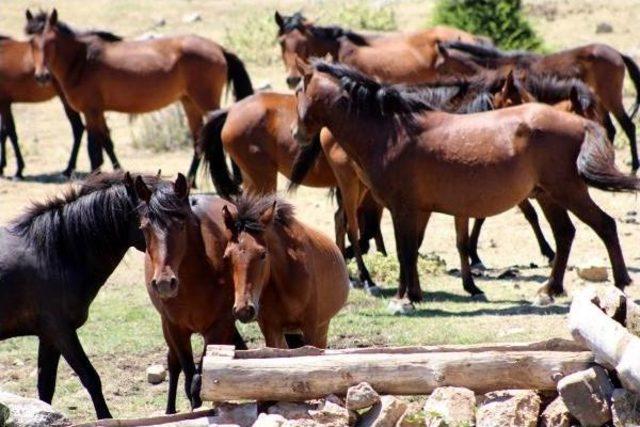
(437, 120)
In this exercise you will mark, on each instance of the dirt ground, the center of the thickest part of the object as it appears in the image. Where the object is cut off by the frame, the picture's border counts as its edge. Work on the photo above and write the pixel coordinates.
(123, 337)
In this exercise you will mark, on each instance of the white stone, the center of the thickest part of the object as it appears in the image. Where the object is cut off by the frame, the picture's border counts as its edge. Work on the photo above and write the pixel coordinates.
(361, 396)
(244, 414)
(513, 408)
(625, 408)
(385, 413)
(587, 394)
(555, 414)
(26, 412)
(269, 420)
(190, 18)
(156, 374)
(291, 410)
(331, 415)
(400, 307)
(450, 406)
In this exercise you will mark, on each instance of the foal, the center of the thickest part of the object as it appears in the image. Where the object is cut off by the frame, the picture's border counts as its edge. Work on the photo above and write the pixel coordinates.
(286, 275)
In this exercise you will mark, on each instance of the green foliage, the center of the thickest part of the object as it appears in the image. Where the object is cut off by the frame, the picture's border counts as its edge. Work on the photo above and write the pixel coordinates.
(387, 270)
(502, 20)
(163, 131)
(362, 15)
(253, 38)
(4, 414)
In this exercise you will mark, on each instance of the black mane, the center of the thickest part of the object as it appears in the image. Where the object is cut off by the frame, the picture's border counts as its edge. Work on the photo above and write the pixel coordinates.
(551, 89)
(164, 206)
(37, 24)
(251, 207)
(70, 224)
(297, 21)
(490, 56)
(367, 96)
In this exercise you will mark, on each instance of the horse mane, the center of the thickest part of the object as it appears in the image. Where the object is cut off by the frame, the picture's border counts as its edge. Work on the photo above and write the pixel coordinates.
(490, 56)
(70, 223)
(164, 206)
(251, 207)
(37, 24)
(297, 21)
(551, 89)
(367, 96)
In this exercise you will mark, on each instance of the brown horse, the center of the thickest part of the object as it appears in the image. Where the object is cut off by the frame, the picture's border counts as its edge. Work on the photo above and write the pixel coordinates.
(600, 66)
(193, 294)
(286, 275)
(135, 76)
(17, 84)
(256, 133)
(393, 58)
(416, 161)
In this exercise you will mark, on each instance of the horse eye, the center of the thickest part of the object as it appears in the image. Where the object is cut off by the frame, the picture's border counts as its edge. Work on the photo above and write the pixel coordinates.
(263, 255)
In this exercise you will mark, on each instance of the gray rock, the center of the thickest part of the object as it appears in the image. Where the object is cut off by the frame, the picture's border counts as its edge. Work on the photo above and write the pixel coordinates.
(156, 374)
(587, 394)
(244, 414)
(385, 413)
(514, 408)
(291, 410)
(604, 28)
(331, 415)
(450, 406)
(269, 420)
(400, 307)
(556, 414)
(361, 396)
(625, 408)
(26, 412)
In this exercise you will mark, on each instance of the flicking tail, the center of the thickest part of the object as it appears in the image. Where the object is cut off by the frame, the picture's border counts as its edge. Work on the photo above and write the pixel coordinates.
(634, 74)
(238, 76)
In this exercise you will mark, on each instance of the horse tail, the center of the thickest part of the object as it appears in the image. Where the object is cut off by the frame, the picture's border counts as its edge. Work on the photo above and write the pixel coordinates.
(634, 74)
(237, 76)
(304, 161)
(210, 145)
(596, 163)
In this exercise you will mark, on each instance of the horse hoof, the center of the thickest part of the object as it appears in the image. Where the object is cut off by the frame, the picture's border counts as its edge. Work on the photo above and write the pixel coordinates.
(478, 266)
(373, 290)
(400, 307)
(355, 284)
(479, 297)
(17, 178)
(542, 300)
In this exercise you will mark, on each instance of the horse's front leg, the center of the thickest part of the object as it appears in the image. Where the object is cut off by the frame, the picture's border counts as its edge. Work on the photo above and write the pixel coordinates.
(48, 359)
(273, 335)
(180, 354)
(462, 243)
(409, 226)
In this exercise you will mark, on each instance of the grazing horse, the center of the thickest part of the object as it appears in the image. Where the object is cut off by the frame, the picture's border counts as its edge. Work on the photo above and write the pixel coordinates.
(600, 66)
(185, 275)
(393, 58)
(53, 261)
(135, 76)
(417, 160)
(286, 275)
(256, 133)
(17, 84)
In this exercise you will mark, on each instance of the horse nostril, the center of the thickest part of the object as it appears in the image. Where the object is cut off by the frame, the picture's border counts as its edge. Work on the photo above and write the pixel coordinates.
(245, 314)
(154, 284)
(292, 82)
(174, 283)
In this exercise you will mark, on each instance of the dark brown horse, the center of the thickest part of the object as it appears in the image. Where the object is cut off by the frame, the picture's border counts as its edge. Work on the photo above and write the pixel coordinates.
(394, 58)
(600, 66)
(135, 76)
(417, 160)
(53, 261)
(18, 84)
(286, 275)
(193, 294)
(256, 133)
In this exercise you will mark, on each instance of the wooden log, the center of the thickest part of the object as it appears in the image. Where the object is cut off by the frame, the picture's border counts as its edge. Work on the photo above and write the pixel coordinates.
(152, 421)
(611, 343)
(553, 344)
(303, 378)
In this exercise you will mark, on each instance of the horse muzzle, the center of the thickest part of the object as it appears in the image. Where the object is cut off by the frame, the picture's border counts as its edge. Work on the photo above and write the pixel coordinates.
(300, 135)
(43, 77)
(293, 81)
(246, 313)
(166, 287)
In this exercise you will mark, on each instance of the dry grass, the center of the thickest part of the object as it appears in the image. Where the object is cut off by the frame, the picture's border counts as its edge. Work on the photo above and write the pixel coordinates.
(123, 334)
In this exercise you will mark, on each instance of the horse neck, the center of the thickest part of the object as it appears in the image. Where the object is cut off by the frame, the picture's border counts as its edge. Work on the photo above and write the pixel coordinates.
(69, 60)
(281, 241)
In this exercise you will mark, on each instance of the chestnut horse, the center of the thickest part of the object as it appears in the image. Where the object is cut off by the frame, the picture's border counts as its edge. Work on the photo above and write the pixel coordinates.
(393, 58)
(600, 66)
(417, 160)
(135, 76)
(193, 294)
(256, 133)
(17, 84)
(53, 261)
(286, 275)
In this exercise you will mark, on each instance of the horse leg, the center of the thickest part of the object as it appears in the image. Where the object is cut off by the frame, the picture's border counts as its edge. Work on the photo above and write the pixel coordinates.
(78, 129)
(179, 342)
(608, 125)
(409, 227)
(273, 335)
(94, 139)
(370, 216)
(316, 335)
(462, 243)
(13, 136)
(476, 262)
(67, 342)
(107, 143)
(173, 364)
(630, 130)
(532, 218)
(340, 224)
(194, 119)
(563, 233)
(3, 140)
(48, 359)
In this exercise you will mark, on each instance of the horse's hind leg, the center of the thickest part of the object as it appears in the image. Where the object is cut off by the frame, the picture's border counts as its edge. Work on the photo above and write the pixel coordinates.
(476, 262)
(630, 130)
(462, 243)
(532, 218)
(13, 136)
(78, 129)
(563, 233)
(48, 359)
(3, 141)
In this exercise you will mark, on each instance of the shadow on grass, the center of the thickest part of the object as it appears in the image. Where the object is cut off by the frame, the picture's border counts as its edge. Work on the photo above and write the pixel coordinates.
(523, 309)
(54, 177)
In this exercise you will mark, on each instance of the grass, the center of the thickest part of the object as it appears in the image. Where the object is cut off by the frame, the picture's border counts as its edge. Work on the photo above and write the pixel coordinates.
(122, 336)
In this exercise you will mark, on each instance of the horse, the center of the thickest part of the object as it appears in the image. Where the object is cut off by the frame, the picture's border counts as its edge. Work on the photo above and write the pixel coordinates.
(192, 294)
(256, 133)
(135, 76)
(53, 261)
(17, 84)
(396, 58)
(600, 66)
(415, 163)
(286, 275)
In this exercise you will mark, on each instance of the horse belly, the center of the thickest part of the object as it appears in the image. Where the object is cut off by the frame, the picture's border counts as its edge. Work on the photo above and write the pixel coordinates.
(141, 95)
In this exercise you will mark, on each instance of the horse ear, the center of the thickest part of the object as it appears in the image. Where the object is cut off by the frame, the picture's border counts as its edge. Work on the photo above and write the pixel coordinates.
(143, 192)
(29, 15)
(229, 221)
(443, 54)
(266, 217)
(576, 105)
(128, 181)
(509, 84)
(53, 18)
(303, 67)
(181, 187)
(279, 20)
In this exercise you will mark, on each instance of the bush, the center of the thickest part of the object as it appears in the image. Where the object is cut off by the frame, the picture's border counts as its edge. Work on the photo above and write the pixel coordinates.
(253, 39)
(361, 15)
(162, 131)
(502, 20)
